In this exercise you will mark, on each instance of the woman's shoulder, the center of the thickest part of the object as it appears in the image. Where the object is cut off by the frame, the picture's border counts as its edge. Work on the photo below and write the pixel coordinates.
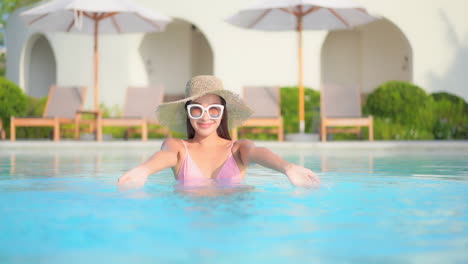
(243, 144)
(241, 149)
(173, 144)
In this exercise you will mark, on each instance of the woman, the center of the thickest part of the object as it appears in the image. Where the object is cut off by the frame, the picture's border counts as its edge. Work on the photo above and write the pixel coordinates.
(209, 156)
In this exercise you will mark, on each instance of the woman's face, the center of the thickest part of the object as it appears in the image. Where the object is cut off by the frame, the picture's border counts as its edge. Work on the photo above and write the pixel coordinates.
(205, 126)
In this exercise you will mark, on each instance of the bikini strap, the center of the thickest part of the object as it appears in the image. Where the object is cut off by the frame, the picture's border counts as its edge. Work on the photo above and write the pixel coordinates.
(185, 146)
(230, 149)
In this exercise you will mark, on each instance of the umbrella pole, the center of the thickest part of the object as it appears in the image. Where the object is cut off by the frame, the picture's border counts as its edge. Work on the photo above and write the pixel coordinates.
(97, 116)
(301, 84)
(96, 65)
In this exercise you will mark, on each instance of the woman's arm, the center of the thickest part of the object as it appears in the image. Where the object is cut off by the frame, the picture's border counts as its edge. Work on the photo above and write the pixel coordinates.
(167, 157)
(297, 175)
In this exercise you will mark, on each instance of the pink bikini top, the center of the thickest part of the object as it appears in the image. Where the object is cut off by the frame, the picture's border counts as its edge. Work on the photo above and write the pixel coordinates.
(190, 173)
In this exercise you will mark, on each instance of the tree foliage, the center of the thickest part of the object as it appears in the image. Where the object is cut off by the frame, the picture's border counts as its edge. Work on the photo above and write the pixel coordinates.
(8, 6)
(12, 101)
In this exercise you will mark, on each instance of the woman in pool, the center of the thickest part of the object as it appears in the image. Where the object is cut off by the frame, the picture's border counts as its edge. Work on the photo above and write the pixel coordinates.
(209, 156)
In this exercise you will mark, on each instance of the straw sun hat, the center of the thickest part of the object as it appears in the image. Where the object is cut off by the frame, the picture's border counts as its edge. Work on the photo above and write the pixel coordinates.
(174, 115)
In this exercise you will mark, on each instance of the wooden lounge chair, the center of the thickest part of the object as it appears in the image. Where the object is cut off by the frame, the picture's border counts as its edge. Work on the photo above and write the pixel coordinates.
(62, 106)
(139, 110)
(266, 104)
(341, 107)
(2, 131)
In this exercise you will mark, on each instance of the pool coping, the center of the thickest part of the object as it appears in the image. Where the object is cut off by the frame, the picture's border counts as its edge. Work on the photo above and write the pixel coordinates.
(345, 145)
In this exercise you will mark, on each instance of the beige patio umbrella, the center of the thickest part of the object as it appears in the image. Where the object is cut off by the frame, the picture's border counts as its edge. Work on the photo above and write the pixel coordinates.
(94, 17)
(286, 15)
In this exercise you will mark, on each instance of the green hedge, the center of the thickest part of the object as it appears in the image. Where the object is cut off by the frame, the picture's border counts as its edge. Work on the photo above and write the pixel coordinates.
(290, 109)
(404, 111)
(386, 129)
(403, 103)
(451, 116)
(34, 108)
(13, 101)
(290, 113)
(2, 64)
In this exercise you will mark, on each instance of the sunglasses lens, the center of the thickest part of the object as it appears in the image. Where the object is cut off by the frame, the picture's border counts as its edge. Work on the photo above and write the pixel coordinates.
(196, 111)
(215, 111)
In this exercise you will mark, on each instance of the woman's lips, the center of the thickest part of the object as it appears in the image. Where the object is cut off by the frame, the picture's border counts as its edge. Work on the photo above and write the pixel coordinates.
(204, 125)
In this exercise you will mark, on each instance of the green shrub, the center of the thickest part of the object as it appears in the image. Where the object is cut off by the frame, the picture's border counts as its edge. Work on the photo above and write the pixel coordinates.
(179, 135)
(402, 111)
(13, 101)
(34, 108)
(290, 109)
(451, 116)
(402, 102)
(113, 111)
(117, 132)
(385, 129)
(351, 136)
(2, 64)
(290, 113)
(438, 96)
(251, 133)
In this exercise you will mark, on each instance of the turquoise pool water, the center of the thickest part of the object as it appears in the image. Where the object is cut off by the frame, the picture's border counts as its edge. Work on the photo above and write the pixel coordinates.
(399, 206)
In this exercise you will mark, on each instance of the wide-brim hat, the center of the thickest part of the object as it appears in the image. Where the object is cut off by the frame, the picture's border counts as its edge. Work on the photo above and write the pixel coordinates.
(174, 115)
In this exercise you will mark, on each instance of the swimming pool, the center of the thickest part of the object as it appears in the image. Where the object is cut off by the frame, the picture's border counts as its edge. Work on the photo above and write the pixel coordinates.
(376, 205)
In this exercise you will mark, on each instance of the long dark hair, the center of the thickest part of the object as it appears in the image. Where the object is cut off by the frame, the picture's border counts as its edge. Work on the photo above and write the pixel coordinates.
(223, 130)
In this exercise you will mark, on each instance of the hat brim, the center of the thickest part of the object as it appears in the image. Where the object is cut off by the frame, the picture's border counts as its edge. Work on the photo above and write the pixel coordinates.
(173, 114)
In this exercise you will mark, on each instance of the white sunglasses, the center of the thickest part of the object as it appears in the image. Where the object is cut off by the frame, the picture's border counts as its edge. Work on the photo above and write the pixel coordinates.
(214, 111)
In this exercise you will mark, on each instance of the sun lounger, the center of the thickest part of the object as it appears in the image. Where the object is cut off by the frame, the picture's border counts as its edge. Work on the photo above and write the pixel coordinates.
(341, 107)
(2, 131)
(62, 106)
(266, 104)
(139, 110)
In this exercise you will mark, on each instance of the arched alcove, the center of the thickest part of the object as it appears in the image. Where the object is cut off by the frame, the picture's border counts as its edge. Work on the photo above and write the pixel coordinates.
(367, 56)
(39, 66)
(175, 55)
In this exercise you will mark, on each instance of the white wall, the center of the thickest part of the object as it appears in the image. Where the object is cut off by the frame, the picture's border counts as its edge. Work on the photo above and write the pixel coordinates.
(437, 31)
(16, 36)
(74, 60)
(202, 54)
(386, 55)
(40, 70)
(244, 57)
(367, 56)
(341, 57)
(167, 56)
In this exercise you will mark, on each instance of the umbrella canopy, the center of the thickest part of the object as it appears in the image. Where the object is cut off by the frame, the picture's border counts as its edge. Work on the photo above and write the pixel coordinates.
(94, 17)
(284, 15)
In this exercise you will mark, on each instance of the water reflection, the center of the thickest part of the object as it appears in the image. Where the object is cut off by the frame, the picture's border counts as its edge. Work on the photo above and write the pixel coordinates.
(105, 163)
(213, 190)
(21, 165)
(347, 163)
(12, 164)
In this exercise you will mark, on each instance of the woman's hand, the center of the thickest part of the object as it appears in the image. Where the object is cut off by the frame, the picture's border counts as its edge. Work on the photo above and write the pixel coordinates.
(134, 178)
(301, 177)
